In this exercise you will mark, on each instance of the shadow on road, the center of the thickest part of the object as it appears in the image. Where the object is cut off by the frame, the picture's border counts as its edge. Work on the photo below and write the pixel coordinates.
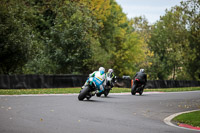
(91, 100)
(108, 97)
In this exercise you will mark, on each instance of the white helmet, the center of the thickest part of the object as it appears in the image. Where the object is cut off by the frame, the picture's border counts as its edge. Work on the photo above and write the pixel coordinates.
(142, 70)
(102, 70)
(110, 70)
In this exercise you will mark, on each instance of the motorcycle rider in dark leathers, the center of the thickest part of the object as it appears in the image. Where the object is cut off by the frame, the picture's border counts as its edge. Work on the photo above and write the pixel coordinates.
(141, 76)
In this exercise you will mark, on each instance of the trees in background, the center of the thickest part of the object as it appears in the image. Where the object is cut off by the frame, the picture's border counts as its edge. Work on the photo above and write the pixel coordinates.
(191, 11)
(175, 42)
(57, 37)
(142, 27)
(79, 36)
(16, 37)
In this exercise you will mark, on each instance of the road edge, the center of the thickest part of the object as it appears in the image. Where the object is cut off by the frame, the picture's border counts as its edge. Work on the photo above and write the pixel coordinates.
(168, 119)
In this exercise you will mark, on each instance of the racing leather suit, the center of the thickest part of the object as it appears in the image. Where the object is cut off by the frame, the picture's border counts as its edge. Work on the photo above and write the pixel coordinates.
(99, 80)
(142, 77)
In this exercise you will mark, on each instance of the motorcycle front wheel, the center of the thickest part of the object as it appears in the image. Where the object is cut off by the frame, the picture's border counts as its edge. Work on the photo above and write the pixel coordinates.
(106, 92)
(83, 93)
(141, 91)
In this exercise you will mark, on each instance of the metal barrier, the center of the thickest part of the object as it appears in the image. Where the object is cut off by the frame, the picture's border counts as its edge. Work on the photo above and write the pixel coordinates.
(64, 81)
(41, 81)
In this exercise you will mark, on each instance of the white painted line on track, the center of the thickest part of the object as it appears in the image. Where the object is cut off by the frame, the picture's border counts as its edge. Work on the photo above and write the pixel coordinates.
(169, 118)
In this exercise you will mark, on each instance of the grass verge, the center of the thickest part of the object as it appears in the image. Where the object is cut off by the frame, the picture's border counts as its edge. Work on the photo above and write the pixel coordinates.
(77, 90)
(192, 118)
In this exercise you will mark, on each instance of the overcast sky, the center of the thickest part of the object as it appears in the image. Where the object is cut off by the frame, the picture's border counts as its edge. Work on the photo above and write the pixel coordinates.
(151, 9)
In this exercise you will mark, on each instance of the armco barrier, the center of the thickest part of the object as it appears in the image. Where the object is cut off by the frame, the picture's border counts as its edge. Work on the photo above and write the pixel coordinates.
(63, 80)
(41, 81)
(171, 83)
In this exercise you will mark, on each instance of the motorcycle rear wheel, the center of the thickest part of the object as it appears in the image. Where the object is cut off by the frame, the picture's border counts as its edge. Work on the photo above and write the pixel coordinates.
(133, 90)
(83, 93)
(98, 94)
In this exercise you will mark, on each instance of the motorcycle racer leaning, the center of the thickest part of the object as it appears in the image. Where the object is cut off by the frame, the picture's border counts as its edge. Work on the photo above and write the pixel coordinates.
(99, 79)
(141, 76)
(110, 74)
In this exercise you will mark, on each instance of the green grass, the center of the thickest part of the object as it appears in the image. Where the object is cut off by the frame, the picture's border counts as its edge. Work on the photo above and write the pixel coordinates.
(77, 90)
(120, 90)
(39, 91)
(192, 118)
(175, 89)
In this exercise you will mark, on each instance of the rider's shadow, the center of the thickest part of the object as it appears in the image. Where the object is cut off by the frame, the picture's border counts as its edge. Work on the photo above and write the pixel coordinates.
(108, 97)
(92, 100)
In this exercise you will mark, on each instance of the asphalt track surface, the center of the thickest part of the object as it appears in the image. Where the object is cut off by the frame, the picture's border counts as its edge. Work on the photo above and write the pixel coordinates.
(114, 114)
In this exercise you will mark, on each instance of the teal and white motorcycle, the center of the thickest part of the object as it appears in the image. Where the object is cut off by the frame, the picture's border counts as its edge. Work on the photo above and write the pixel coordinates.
(88, 90)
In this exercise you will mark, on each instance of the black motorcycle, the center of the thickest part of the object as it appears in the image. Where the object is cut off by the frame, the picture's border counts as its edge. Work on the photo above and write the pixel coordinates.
(108, 86)
(88, 90)
(138, 87)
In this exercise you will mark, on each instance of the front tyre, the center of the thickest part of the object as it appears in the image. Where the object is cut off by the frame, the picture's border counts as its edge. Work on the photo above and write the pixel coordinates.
(83, 93)
(106, 92)
(133, 90)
